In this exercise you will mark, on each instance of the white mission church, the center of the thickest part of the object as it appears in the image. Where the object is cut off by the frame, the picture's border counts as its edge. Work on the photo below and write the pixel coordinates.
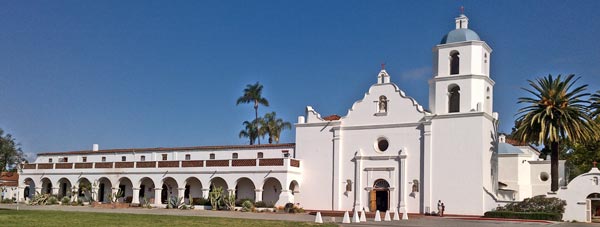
(387, 153)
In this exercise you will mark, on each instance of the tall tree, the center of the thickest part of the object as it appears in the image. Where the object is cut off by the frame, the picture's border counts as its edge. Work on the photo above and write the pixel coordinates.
(250, 131)
(273, 126)
(556, 112)
(10, 152)
(253, 94)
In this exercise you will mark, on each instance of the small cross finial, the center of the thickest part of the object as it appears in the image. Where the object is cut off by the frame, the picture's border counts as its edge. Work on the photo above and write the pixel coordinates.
(594, 163)
(382, 66)
(462, 10)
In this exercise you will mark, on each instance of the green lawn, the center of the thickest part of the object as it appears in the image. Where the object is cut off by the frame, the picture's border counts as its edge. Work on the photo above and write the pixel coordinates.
(85, 219)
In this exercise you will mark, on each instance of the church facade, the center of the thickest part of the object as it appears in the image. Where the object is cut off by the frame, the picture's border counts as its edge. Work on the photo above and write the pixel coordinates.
(387, 153)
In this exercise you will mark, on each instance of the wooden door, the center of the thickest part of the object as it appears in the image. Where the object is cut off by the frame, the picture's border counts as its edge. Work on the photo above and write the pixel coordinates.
(588, 210)
(372, 200)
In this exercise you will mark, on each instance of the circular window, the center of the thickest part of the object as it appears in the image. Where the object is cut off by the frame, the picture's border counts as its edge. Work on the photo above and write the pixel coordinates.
(382, 144)
(544, 176)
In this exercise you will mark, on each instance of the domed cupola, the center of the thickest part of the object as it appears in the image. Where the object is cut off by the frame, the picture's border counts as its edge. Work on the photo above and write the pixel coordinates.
(461, 33)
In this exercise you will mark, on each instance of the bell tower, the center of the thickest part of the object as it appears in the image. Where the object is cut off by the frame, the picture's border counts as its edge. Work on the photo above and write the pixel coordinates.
(461, 66)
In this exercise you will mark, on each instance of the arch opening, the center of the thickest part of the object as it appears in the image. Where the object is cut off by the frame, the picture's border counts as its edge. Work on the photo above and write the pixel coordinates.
(454, 63)
(169, 189)
(453, 98)
(126, 187)
(146, 190)
(379, 196)
(244, 189)
(104, 190)
(193, 189)
(271, 191)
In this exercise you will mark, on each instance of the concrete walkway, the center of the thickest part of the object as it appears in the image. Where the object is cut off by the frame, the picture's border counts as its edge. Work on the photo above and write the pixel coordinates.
(421, 221)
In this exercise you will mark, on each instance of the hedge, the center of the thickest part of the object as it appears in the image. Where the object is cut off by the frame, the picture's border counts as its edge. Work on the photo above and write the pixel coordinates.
(524, 215)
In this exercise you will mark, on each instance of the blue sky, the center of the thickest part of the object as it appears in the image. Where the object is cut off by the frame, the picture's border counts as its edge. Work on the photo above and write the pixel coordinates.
(168, 73)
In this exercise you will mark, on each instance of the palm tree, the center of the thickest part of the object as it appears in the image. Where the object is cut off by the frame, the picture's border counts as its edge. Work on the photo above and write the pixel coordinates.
(253, 94)
(273, 126)
(556, 112)
(250, 131)
(595, 104)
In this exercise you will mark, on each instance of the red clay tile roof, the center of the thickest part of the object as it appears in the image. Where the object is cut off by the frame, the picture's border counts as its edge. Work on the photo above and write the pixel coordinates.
(334, 117)
(10, 179)
(196, 148)
(516, 142)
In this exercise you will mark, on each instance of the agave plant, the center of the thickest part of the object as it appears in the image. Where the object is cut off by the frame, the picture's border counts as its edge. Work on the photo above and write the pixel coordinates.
(174, 202)
(229, 200)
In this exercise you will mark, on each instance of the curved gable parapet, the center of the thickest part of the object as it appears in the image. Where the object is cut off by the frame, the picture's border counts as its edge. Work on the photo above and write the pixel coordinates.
(312, 115)
(399, 104)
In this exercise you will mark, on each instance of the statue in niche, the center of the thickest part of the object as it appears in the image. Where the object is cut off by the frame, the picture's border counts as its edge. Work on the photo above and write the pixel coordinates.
(383, 104)
(348, 187)
(415, 186)
(595, 180)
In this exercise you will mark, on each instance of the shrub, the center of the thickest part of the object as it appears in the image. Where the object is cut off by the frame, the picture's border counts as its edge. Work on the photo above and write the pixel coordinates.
(247, 206)
(201, 201)
(7, 200)
(240, 202)
(537, 204)
(65, 201)
(52, 200)
(260, 204)
(524, 215)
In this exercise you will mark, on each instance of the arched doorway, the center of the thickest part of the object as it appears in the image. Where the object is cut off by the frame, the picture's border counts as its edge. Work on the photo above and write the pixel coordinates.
(126, 187)
(193, 190)
(169, 189)
(147, 190)
(84, 191)
(104, 190)
(46, 186)
(379, 197)
(594, 206)
(271, 191)
(29, 188)
(64, 186)
(244, 189)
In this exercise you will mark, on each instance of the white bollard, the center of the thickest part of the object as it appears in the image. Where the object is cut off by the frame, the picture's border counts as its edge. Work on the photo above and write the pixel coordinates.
(377, 216)
(346, 218)
(355, 217)
(396, 216)
(405, 214)
(318, 218)
(363, 216)
(387, 216)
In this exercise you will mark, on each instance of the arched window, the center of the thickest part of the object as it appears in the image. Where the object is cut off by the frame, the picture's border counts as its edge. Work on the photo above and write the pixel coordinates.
(454, 62)
(381, 184)
(188, 157)
(259, 155)
(453, 98)
(234, 156)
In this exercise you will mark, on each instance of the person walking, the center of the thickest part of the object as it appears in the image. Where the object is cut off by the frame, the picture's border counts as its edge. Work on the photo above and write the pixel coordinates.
(439, 206)
(443, 209)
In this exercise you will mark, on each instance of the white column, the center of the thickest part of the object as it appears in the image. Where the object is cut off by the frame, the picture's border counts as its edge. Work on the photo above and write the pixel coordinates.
(136, 196)
(284, 197)
(258, 194)
(336, 181)
(95, 194)
(403, 186)
(357, 182)
(205, 192)
(157, 196)
(393, 197)
(181, 193)
(427, 184)
(74, 196)
(21, 194)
